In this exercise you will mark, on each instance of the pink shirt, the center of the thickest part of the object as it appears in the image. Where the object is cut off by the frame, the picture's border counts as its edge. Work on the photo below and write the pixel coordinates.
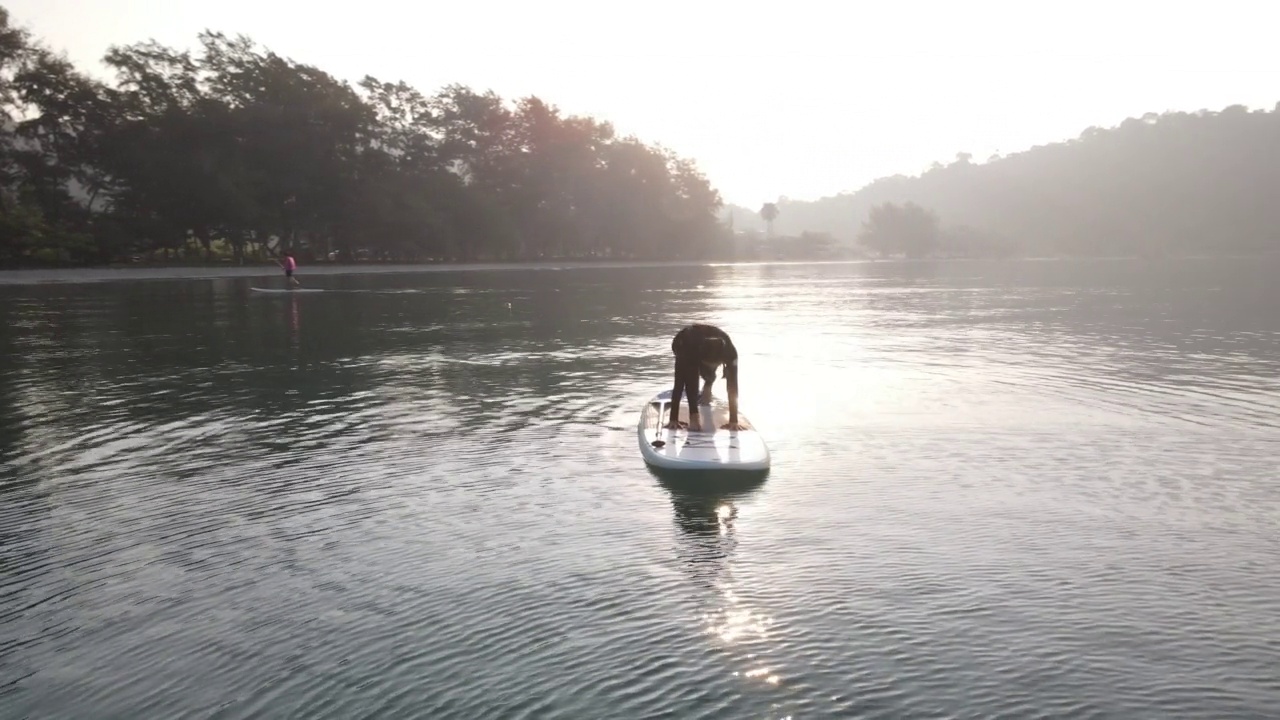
(290, 264)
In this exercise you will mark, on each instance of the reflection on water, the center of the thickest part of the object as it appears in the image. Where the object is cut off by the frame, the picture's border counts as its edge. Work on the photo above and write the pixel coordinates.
(996, 488)
(706, 506)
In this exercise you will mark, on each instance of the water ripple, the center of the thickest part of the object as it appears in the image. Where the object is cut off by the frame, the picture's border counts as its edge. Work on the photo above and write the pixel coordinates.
(999, 491)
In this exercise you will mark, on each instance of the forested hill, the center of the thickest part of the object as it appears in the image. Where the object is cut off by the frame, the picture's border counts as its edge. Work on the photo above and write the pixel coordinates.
(1177, 183)
(234, 151)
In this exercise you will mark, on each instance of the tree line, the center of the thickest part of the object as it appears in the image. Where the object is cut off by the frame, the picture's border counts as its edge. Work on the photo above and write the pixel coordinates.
(1177, 183)
(237, 153)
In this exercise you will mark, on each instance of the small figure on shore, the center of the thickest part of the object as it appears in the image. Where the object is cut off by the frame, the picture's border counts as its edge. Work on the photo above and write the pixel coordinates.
(289, 264)
(699, 350)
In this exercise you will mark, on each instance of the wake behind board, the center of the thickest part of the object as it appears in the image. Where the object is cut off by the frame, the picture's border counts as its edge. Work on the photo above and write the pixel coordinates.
(709, 448)
(285, 290)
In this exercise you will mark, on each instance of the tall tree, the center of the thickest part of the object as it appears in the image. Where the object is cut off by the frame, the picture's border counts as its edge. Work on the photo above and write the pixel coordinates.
(769, 212)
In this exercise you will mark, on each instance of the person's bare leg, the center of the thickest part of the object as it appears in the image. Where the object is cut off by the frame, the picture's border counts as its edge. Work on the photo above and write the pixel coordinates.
(677, 391)
(691, 388)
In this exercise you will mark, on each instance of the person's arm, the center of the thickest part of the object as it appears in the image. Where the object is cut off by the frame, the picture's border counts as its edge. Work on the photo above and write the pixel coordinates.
(731, 379)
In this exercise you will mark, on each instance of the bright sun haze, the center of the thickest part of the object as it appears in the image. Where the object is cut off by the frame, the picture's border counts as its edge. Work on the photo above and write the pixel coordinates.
(802, 100)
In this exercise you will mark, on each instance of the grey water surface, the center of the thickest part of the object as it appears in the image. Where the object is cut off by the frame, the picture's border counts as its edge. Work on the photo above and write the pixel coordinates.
(999, 489)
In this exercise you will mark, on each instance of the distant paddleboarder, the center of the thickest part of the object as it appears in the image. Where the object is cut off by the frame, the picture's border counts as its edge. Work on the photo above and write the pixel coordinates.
(289, 264)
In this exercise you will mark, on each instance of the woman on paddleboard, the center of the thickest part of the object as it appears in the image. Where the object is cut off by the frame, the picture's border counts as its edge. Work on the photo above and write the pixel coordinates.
(289, 264)
(700, 350)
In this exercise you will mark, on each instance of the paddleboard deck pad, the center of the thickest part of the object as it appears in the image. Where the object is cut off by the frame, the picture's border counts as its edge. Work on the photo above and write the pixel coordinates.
(706, 448)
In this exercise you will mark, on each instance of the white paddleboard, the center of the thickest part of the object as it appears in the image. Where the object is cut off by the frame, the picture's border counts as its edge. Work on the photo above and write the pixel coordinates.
(283, 290)
(709, 448)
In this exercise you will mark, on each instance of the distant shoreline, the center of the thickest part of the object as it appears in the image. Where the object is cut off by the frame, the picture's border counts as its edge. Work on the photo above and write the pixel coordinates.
(64, 275)
(219, 271)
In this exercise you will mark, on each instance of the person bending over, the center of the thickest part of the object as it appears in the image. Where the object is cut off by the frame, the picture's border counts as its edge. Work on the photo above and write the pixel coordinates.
(700, 349)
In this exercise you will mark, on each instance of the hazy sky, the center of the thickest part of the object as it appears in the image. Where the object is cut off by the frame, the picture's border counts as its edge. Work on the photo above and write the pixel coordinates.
(800, 98)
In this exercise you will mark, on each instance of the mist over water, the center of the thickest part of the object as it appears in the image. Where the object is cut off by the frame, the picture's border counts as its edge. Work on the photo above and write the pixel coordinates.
(998, 490)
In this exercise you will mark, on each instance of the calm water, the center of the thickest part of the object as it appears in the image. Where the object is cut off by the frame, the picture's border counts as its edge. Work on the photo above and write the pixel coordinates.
(999, 490)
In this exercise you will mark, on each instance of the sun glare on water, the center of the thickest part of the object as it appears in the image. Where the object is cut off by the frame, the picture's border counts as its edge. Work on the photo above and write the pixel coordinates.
(793, 368)
(732, 623)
